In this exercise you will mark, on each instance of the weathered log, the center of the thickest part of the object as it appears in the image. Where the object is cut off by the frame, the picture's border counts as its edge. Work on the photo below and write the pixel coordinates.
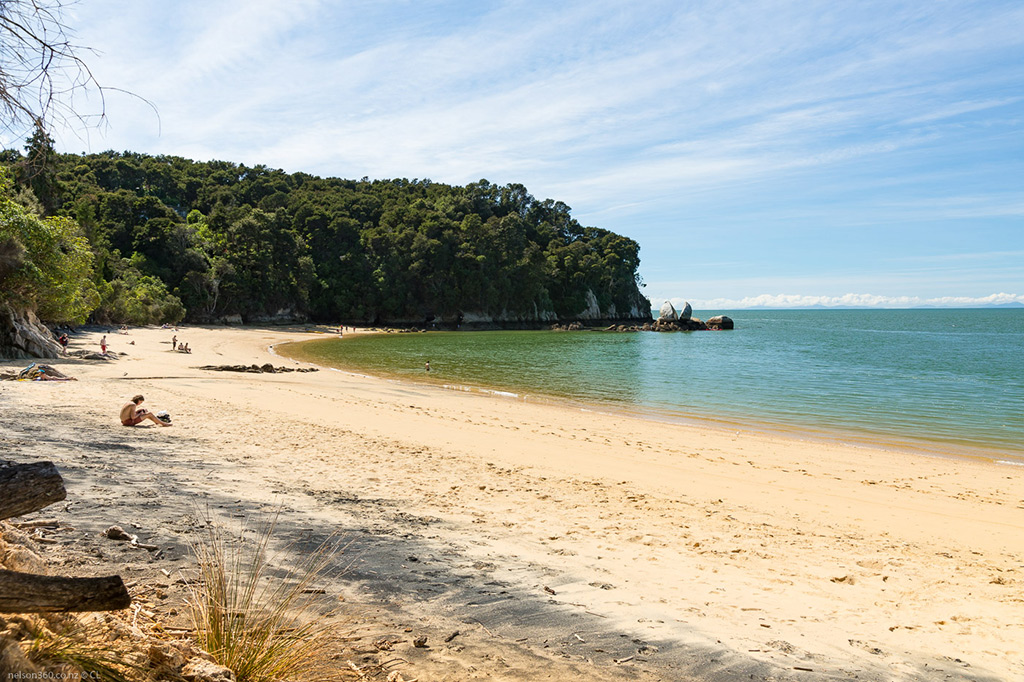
(25, 488)
(38, 523)
(29, 593)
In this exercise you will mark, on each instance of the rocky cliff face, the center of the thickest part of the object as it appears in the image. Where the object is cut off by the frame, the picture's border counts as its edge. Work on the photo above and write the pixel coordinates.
(22, 335)
(639, 312)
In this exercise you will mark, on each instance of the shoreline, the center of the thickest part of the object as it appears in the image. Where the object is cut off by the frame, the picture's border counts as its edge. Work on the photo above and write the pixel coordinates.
(918, 446)
(559, 544)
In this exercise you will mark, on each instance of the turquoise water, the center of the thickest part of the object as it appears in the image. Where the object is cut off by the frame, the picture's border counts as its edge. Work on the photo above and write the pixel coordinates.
(946, 379)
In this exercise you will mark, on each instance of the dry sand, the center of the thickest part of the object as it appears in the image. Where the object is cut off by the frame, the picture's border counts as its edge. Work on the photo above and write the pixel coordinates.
(558, 543)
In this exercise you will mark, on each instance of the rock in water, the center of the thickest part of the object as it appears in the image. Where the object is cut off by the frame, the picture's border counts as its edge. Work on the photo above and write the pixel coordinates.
(667, 313)
(720, 322)
(687, 312)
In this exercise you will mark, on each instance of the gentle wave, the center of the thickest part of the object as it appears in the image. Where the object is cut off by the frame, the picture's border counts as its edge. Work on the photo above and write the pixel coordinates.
(947, 379)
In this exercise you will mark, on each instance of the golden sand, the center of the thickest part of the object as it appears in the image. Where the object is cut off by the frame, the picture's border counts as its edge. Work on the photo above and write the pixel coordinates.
(556, 541)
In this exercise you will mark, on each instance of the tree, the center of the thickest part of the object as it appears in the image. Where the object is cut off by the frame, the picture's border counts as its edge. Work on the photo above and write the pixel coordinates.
(40, 70)
(45, 264)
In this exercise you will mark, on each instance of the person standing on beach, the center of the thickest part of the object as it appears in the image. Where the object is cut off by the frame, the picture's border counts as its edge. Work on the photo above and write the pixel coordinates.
(103, 344)
(174, 342)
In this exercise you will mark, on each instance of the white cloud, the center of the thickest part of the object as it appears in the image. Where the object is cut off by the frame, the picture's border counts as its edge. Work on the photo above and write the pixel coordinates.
(851, 300)
(839, 141)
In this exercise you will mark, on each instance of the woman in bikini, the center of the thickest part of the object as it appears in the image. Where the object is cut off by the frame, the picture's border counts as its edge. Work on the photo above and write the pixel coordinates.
(132, 414)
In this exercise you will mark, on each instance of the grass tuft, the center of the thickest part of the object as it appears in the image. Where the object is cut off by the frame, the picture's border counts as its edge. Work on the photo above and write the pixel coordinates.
(252, 617)
(75, 655)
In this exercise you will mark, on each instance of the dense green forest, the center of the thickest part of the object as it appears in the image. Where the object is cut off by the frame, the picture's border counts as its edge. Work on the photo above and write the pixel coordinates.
(162, 239)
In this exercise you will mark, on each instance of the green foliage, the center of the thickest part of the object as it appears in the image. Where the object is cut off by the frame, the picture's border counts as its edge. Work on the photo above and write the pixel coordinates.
(227, 239)
(136, 298)
(45, 263)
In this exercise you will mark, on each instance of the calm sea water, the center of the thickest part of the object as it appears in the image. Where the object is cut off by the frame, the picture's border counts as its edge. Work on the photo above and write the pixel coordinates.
(946, 379)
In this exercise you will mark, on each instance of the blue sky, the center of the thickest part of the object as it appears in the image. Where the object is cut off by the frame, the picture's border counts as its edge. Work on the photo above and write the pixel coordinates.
(761, 153)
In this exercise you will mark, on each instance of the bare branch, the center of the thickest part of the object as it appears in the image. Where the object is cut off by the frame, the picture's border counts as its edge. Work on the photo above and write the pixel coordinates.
(41, 70)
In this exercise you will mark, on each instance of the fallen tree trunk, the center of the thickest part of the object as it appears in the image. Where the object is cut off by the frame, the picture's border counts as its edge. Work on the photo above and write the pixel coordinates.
(25, 488)
(29, 593)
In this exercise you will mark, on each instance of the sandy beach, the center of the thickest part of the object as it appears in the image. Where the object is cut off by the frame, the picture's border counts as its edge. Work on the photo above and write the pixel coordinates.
(558, 543)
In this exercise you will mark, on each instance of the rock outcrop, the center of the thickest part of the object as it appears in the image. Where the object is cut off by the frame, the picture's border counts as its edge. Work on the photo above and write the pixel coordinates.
(687, 312)
(257, 369)
(634, 311)
(720, 322)
(667, 313)
(22, 335)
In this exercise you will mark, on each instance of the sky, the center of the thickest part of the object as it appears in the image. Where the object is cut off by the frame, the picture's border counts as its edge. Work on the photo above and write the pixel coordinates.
(761, 153)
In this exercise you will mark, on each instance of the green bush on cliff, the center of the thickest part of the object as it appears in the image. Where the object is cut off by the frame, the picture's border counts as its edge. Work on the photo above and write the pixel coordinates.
(45, 263)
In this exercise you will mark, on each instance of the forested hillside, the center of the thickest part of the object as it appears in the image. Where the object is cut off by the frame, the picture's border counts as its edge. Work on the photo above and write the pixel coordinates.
(205, 241)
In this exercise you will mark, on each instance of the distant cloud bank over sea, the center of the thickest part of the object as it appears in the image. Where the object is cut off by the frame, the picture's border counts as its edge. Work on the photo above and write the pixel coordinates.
(851, 301)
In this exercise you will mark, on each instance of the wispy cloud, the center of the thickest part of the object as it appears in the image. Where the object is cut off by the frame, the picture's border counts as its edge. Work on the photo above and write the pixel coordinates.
(768, 130)
(853, 301)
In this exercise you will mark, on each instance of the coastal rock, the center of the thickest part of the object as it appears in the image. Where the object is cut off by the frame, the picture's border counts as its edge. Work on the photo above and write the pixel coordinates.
(691, 325)
(22, 335)
(539, 314)
(667, 313)
(720, 322)
(282, 316)
(687, 312)
(593, 309)
(257, 369)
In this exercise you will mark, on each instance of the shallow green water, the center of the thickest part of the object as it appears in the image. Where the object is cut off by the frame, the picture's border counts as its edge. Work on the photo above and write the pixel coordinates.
(952, 378)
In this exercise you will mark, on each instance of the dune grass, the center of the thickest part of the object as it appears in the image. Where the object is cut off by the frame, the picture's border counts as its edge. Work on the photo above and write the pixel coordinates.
(254, 614)
(71, 653)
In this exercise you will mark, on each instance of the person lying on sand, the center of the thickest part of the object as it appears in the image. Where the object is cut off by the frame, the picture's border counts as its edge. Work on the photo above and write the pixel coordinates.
(132, 414)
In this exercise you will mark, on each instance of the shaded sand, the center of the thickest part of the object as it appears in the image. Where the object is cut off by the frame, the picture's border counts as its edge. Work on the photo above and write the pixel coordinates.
(557, 543)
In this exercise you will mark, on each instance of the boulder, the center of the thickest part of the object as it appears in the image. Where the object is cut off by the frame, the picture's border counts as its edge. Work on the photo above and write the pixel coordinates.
(22, 335)
(667, 313)
(687, 312)
(720, 322)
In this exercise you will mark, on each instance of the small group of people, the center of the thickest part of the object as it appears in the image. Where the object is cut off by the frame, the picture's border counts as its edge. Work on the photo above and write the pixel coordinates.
(180, 347)
(132, 414)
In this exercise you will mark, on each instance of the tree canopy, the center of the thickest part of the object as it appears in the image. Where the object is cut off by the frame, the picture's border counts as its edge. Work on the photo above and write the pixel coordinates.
(126, 237)
(206, 240)
(45, 263)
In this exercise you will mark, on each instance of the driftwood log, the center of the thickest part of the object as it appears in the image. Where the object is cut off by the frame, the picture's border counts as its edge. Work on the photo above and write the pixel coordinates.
(25, 488)
(29, 593)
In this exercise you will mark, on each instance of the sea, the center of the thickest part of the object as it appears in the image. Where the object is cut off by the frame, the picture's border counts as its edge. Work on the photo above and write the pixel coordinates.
(949, 382)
